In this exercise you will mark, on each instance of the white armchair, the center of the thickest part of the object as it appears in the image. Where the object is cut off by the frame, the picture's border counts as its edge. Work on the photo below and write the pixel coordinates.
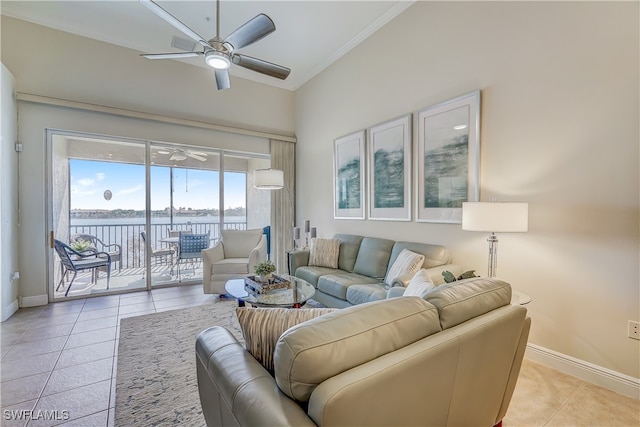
(235, 255)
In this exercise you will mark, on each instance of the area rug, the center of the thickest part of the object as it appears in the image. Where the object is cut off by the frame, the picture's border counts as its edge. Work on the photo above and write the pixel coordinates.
(156, 383)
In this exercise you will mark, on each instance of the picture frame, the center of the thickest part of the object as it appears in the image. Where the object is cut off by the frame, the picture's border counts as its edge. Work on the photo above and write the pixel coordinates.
(447, 158)
(349, 176)
(389, 170)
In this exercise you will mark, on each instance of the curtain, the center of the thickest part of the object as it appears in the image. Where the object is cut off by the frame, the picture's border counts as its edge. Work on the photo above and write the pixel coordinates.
(283, 155)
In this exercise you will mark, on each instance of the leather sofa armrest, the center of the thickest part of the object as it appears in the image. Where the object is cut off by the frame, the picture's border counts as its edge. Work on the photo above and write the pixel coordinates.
(243, 386)
(297, 259)
(435, 273)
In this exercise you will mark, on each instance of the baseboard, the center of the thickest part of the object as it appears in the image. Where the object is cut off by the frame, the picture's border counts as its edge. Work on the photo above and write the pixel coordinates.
(615, 381)
(34, 301)
(10, 309)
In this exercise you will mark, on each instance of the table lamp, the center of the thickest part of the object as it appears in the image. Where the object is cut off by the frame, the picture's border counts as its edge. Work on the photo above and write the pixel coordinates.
(495, 217)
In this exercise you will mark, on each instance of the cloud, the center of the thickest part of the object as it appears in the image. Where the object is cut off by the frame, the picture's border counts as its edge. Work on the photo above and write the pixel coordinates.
(81, 191)
(100, 176)
(131, 190)
(85, 182)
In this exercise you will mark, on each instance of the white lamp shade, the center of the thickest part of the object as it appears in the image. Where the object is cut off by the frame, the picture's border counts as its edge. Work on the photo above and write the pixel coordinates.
(505, 217)
(268, 179)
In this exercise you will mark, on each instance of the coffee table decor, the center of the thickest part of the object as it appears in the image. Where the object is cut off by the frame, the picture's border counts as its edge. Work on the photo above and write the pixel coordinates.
(294, 295)
(255, 285)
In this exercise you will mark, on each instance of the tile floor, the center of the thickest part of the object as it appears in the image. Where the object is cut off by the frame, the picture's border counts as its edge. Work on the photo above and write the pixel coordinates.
(62, 359)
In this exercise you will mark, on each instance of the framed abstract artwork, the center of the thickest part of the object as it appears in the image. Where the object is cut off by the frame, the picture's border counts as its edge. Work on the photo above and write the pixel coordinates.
(389, 170)
(349, 176)
(447, 159)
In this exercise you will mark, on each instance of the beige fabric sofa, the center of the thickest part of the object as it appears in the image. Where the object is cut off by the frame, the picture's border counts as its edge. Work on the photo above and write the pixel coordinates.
(235, 255)
(363, 263)
(451, 359)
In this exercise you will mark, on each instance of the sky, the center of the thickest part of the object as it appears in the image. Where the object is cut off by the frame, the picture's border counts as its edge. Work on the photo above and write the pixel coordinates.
(193, 188)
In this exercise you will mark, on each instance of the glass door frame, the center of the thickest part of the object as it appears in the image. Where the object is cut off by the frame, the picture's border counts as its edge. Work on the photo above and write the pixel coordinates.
(49, 197)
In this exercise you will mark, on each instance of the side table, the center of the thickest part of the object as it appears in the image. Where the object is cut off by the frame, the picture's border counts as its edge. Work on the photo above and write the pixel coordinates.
(519, 298)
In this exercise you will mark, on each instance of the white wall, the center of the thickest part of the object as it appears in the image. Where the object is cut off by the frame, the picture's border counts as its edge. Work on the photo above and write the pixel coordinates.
(559, 129)
(8, 197)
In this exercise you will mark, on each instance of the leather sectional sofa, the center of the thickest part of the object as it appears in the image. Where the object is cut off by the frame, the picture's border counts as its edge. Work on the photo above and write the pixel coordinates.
(450, 359)
(362, 265)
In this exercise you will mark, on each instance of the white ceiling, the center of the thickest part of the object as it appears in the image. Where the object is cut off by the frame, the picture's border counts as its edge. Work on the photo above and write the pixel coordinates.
(309, 36)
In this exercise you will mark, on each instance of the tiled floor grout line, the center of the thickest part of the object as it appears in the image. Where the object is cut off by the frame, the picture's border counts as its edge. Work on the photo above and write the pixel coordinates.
(53, 367)
(565, 403)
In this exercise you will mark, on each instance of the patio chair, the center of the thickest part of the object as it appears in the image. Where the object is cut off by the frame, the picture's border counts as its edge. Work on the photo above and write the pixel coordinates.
(99, 245)
(190, 247)
(157, 253)
(75, 261)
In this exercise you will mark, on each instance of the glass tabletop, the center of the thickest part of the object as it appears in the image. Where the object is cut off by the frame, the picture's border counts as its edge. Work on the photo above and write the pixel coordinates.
(296, 294)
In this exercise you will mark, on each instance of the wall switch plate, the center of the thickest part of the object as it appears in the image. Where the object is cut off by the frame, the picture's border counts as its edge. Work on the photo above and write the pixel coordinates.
(634, 330)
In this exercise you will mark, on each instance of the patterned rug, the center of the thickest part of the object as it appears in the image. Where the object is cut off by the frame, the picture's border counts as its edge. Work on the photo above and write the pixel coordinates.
(156, 383)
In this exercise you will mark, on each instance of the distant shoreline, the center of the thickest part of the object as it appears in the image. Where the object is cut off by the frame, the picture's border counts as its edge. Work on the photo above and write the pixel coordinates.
(177, 220)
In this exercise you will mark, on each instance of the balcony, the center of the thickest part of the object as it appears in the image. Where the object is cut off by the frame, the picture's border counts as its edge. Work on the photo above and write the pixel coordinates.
(129, 273)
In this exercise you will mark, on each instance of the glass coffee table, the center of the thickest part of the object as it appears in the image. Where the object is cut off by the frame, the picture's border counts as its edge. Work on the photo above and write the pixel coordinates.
(294, 296)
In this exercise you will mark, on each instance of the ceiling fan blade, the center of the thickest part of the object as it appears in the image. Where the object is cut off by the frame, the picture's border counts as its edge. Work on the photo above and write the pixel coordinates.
(222, 79)
(195, 156)
(175, 55)
(155, 8)
(261, 66)
(252, 31)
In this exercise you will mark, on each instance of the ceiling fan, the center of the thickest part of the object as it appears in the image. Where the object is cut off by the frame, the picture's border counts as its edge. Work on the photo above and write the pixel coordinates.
(220, 53)
(180, 154)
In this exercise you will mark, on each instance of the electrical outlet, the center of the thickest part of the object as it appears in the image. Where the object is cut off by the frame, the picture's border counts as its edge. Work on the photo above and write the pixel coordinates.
(634, 330)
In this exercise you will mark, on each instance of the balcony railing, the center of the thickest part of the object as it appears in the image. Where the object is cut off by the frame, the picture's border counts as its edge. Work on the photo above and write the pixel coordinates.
(128, 236)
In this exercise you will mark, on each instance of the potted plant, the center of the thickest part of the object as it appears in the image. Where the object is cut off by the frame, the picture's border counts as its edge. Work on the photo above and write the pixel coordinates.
(265, 270)
(80, 245)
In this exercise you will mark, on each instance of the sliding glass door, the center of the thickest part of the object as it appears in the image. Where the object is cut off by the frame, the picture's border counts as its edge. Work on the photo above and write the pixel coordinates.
(97, 192)
(138, 201)
(184, 200)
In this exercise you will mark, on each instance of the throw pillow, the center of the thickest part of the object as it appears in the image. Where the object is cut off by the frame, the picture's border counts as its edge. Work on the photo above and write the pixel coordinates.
(324, 252)
(420, 285)
(261, 328)
(408, 262)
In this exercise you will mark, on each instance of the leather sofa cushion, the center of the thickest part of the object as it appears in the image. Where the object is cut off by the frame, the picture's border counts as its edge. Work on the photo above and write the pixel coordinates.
(312, 274)
(232, 266)
(337, 283)
(240, 243)
(349, 247)
(373, 257)
(434, 255)
(311, 352)
(359, 294)
(462, 300)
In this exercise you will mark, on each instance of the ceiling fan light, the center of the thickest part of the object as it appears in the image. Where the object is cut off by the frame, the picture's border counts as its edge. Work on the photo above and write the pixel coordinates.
(217, 60)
